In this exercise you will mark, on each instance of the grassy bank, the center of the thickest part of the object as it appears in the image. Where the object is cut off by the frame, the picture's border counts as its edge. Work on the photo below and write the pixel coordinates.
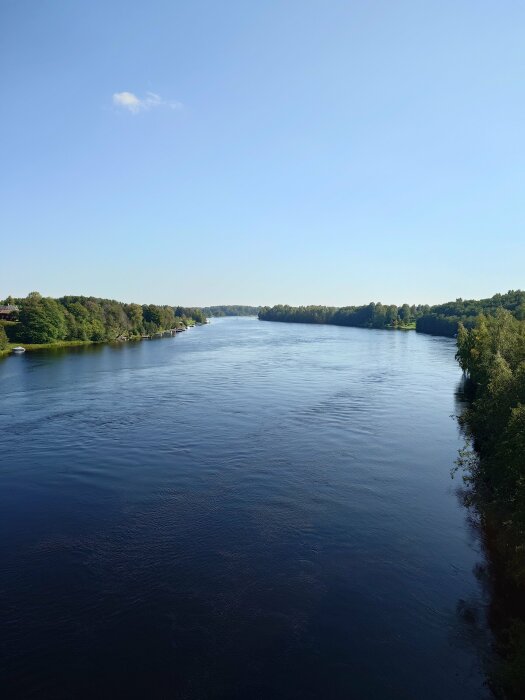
(58, 344)
(33, 347)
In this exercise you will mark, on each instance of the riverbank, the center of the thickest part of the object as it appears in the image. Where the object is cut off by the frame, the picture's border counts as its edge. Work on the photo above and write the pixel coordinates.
(441, 320)
(492, 357)
(33, 347)
(36, 322)
(60, 344)
(43, 323)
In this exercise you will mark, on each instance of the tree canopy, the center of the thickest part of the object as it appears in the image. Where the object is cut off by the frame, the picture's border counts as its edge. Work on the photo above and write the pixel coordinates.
(444, 319)
(492, 354)
(232, 310)
(441, 319)
(4, 342)
(370, 316)
(46, 320)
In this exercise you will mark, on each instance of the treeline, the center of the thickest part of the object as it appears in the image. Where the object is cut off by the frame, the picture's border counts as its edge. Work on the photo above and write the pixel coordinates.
(46, 320)
(234, 310)
(369, 316)
(492, 354)
(192, 313)
(444, 319)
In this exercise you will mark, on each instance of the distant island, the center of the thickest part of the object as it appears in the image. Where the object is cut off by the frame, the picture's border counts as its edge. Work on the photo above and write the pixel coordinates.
(441, 319)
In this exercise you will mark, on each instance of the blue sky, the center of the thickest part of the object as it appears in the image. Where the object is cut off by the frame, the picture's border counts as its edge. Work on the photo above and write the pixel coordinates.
(297, 152)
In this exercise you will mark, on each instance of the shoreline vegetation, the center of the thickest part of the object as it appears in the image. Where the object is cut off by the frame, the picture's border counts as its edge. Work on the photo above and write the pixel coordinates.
(33, 347)
(492, 356)
(229, 310)
(41, 323)
(441, 319)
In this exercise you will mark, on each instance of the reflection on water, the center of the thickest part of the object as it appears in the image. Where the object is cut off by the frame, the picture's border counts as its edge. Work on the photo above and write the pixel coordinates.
(248, 510)
(498, 605)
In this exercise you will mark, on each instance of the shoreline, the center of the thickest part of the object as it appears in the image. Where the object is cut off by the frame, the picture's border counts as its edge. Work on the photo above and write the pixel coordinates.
(59, 344)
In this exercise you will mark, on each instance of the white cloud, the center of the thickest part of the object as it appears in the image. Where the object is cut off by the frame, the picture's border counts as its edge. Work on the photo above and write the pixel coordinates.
(129, 101)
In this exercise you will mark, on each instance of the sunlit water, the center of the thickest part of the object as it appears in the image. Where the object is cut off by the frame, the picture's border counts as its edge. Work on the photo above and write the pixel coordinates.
(249, 510)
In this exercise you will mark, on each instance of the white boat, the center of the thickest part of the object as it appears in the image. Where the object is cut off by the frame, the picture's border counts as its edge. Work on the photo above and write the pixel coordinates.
(19, 350)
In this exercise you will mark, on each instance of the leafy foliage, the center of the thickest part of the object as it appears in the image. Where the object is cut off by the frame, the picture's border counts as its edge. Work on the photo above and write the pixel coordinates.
(234, 310)
(4, 342)
(444, 319)
(46, 320)
(193, 313)
(42, 319)
(492, 354)
(369, 316)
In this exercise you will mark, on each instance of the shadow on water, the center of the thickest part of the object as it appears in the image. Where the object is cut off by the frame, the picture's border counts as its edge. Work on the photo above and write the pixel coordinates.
(484, 622)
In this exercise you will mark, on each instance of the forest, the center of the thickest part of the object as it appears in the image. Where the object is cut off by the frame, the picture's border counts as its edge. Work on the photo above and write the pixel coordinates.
(444, 319)
(492, 356)
(441, 319)
(43, 320)
(370, 316)
(233, 310)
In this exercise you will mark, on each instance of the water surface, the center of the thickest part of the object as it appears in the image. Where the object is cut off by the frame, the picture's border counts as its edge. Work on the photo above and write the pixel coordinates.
(248, 510)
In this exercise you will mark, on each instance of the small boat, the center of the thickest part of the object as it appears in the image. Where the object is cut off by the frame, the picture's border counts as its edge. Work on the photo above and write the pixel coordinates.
(19, 350)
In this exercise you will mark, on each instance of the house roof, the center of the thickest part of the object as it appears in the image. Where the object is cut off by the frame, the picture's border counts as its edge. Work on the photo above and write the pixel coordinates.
(8, 308)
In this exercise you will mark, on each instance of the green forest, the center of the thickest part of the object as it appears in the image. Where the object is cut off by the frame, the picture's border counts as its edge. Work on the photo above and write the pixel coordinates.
(444, 319)
(492, 355)
(4, 340)
(370, 316)
(43, 320)
(233, 310)
(441, 319)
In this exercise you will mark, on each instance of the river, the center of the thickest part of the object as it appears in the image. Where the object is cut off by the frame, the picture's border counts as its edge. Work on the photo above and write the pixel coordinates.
(248, 510)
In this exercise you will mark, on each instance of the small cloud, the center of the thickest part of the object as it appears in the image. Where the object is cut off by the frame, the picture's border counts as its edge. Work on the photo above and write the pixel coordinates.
(129, 101)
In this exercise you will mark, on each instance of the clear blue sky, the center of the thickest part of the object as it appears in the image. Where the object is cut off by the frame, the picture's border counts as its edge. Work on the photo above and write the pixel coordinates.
(298, 152)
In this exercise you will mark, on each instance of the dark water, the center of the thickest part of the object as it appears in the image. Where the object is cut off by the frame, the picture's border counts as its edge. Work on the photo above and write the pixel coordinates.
(250, 510)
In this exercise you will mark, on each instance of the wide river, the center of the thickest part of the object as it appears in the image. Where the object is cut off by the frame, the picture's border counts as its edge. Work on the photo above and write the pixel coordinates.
(248, 510)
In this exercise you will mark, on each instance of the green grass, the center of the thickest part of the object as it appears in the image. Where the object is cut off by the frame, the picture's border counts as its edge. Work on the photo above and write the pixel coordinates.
(405, 327)
(33, 347)
(30, 347)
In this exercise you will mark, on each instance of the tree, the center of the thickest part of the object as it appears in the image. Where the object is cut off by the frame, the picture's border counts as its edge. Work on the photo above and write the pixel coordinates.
(42, 320)
(3, 339)
(391, 315)
(405, 314)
